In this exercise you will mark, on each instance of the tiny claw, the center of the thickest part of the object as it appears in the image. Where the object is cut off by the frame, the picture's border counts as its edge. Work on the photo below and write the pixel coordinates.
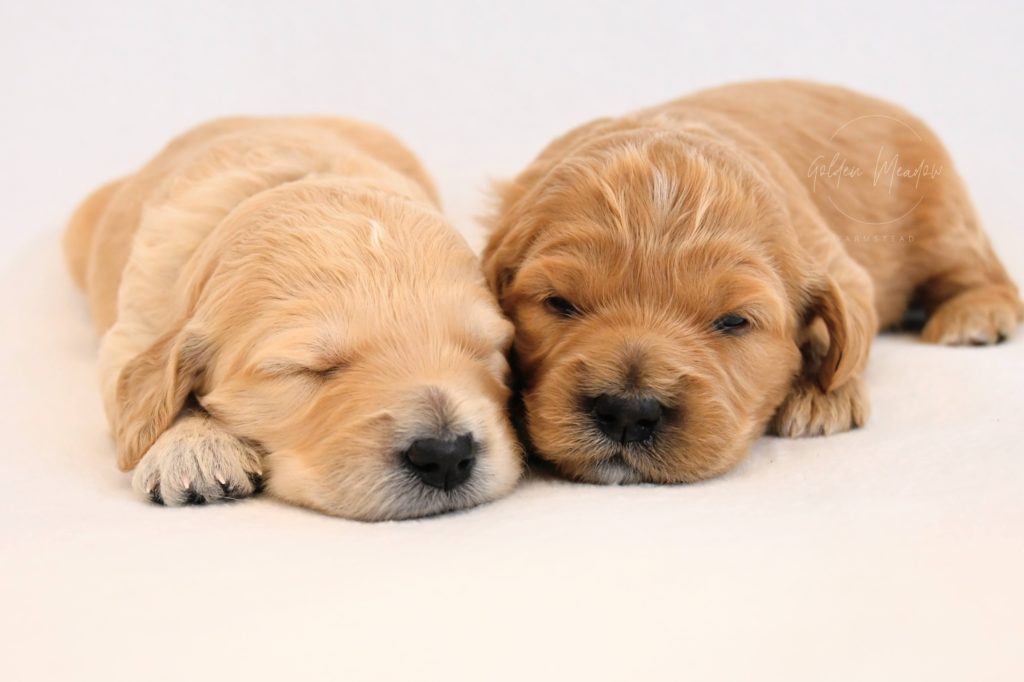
(193, 497)
(256, 479)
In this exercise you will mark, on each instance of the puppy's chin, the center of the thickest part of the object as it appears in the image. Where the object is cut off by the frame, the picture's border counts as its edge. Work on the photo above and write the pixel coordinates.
(390, 492)
(631, 465)
(611, 471)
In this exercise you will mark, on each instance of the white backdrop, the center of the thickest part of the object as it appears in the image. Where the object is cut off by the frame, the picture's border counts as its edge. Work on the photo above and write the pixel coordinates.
(91, 90)
(895, 552)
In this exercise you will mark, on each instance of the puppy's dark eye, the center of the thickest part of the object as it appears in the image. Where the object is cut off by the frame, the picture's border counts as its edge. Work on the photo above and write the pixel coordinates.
(732, 324)
(561, 307)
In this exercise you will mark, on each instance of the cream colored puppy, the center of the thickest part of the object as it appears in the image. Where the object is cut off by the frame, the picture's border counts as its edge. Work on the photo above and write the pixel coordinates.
(281, 299)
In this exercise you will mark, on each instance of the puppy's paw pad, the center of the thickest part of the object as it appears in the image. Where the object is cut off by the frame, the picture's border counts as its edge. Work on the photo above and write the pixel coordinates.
(195, 463)
(807, 411)
(973, 319)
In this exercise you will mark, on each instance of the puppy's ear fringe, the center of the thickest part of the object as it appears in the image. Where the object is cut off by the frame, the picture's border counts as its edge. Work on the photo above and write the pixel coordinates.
(501, 195)
(506, 245)
(849, 335)
(152, 389)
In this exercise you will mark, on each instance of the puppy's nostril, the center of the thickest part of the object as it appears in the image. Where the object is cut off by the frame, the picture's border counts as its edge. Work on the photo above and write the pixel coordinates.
(444, 464)
(627, 420)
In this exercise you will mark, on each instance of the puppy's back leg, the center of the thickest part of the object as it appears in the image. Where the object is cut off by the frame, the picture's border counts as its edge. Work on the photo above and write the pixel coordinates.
(196, 461)
(969, 296)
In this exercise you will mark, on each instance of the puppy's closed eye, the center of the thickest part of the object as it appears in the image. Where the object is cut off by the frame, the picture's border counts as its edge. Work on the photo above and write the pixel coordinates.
(561, 307)
(732, 325)
(325, 372)
(290, 368)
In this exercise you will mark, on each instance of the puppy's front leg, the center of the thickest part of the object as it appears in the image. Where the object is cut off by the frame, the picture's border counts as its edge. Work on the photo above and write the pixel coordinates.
(196, 461)
(809, 411)
(829, 394)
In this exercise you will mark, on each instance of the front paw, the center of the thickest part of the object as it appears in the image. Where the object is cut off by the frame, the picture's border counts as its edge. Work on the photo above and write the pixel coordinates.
(808, 411)
(195, 462)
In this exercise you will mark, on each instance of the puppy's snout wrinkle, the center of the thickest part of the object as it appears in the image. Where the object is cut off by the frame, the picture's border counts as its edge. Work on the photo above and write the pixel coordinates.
(627, 420)
(443, 464)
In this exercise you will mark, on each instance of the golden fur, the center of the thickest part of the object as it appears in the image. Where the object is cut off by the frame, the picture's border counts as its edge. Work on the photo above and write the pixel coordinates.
(281, 297)
(622, 246)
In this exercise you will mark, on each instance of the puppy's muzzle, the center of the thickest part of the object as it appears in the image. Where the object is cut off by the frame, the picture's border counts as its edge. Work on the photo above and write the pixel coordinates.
(627, 420)
(443, 464)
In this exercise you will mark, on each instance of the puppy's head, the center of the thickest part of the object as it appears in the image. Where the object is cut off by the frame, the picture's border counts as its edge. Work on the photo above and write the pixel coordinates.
(353, 338)
(660, 302)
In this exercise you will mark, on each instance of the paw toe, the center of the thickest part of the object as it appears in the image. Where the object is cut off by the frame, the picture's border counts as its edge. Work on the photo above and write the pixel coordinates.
(972, 320)
(193, 496)
(181, 471)
(807, 411)
(255, 480)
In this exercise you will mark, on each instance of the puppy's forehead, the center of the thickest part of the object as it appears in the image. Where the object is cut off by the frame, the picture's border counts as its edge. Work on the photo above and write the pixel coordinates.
(650, 216)
(652, 182)
(591, 249)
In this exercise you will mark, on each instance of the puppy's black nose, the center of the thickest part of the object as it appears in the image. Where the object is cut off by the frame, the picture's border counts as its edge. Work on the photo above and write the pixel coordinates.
(444, 464)
(627, 420)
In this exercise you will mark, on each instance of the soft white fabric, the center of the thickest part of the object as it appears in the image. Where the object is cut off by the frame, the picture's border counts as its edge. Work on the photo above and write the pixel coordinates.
(891, 553)
(894, 552)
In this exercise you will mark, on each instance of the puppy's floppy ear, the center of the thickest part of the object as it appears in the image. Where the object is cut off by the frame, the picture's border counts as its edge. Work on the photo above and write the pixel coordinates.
(848, 338)
(505, 252)
(152, 389)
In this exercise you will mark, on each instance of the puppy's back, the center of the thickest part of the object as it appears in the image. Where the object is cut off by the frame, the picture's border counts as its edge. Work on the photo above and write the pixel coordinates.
(221, 153)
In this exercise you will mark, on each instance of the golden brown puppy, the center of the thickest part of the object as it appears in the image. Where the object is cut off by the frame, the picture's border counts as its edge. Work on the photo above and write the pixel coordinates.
(282, 298)
(686, 276)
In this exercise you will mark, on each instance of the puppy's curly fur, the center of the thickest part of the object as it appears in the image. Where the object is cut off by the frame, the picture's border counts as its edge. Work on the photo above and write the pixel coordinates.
(730, 255)
(296, 278)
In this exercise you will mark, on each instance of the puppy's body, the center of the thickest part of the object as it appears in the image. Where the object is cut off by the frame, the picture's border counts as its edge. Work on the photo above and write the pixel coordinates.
(926, 214)
(685, 276)
(294, 276)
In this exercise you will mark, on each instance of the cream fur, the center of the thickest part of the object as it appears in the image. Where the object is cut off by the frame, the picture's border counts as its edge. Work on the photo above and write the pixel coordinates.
(296, 278)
